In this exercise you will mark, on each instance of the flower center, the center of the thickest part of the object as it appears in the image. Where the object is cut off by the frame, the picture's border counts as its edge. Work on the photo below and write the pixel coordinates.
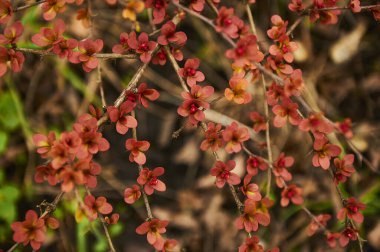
(225, 175)
(353, 209)
(193, 108)
(240, 50)
(144, 46)
(153, 181)
(159, 4)
(227, 21)
(190, 71)
(290, 194)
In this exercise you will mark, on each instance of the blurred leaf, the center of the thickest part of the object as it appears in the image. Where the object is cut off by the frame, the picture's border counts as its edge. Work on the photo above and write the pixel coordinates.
(116, 229)
(8, 115)
(3, 141)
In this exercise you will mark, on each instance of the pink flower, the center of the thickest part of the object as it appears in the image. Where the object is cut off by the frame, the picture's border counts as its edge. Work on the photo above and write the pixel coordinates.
(223, 174)
(123, 46)
(238, 91)
(345, 127)
(197, 5)
(287, 110)
(64, 49)
(291, 193)
(331, 239)
(159, 9)
(284, 49)
(16, 60)
(86, 55)
(351, 210)
(144, 94)
(294, 84)
(317, 124)
(137, 149)
(258, 120)
(280, 171)
(355, 6)
(189, 71)
(44, 143)
(195, 102)
(153, 228)
(251, 217)
(131, 195)
(246, 52)
(169, 245)
(142, 46)
(255, 163)
(32, 230)
(323, 152)
(148, 179)
(11, 34)
(6, 11)
(50, 8)
(346, 235)
(278, 29)
(251, 244)
(326, 17)
(121, 118)
(274, 94)
(344, 168)
(168, 35)
(46, 173)
(50, 36)
(226, 22)
(213, 137)
(251, 190)
(316, 223)
(95, 206)
(296, 6)
(234, 137)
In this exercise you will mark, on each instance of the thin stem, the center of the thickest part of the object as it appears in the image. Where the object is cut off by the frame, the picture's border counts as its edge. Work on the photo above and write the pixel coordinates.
(145, 197)
(28, 6)
(367, 7)
(176, 68)
(100, 84)
(13, 247)
(212, 6)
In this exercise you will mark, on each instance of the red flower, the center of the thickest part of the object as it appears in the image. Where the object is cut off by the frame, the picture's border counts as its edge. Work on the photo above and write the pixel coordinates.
(326, 17)
(226, 22)
(87, 50)
(197, 5)
(46, 173)
(169, 245)
(121, 118)
(90, 170)
(160, 57)
(317, 124)
(345, 127)
(351, 210)
(11, 34)
(284, 49)
(344, 168)
(246, 52)
(278, 65)
(70, 177)
(123, 46)
(250, 219)
(59, 154)
(142, 45)
(251, 191)
(112, 220)
(137, 149)
(234, 137)
(259, 122)
(323, 152)
(95, 206)
(148, 179)
(296, 6)
(16, 60)
(355, 6)
(293, 84)
(50, 36)
(131, 195)
(64, 49)
(278, 29)
(170, 36)
(223, 174)
(315, 223)
(50, 8)
(346, 235)
(32, 230)
(159, 9)
(153, 228)
(213, 137)
(280, 171)
(274, 94)
(287, 110)
(6, 11)
(255, 163)
(189, 71)
(251, 244)
(144, 94)
(238, 91)
(291, 193)
(195, 103)
(44, 143)
(331, 239)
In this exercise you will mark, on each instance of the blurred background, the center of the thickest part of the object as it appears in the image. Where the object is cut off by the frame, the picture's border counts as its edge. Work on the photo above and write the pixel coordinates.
(341, 69)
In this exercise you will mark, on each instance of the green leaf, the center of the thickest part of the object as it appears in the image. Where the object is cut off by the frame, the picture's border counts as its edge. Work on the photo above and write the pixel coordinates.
(8, 115)
(11, 193)
(3, 141)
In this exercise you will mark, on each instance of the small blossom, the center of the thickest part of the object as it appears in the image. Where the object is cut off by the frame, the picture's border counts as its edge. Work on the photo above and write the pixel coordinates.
(70, 176)
(250, 219)
(132, 8)
(246, 52)
(345, 128)
(46, 173)
(296, 6)
(123, 46)
(294, 84)
(278, 29)
(287, 110)
(121, 118)
(50, 36)
(86, 55)
(149, 180)
(314, 225)
(131, 195)
(32, 230)
(278, 65)
(280, 171)
(137, 149)
(284, 49)
(291, 193)
(351, 210)
(142, 45)
(251, 244)
(323, 152)
(153, 228)
(213, 137)
(112, 220)
(6, 11)
(226, 22)
(255, 163)
(169, 245)
(355, 6)
(325, 17)
(50, 8)
(346, 235)
(258, 120)
(234, 137)
(169, 35)
(238, 91)
(44, 143)
(11, 34)
(317, 124)
(159, 9)
(15, 58)
(274, 94)
(344, 168)
(251, 190)
(331, 239)
(189, 71)
(144, 94)
(96, 205)
(223, 174)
